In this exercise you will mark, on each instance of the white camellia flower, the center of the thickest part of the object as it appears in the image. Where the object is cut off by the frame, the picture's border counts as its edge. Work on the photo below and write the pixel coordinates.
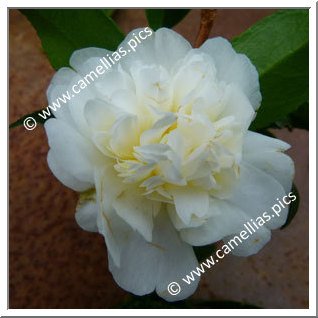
(160, 150)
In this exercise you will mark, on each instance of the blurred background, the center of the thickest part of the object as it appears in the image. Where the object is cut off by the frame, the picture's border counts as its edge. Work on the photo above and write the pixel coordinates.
(55, 264)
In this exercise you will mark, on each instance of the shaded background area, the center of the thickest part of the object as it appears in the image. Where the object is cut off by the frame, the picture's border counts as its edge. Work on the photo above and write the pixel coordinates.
(55, 264)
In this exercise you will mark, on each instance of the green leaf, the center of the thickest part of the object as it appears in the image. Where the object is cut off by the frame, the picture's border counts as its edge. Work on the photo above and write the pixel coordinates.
(279, 48)
(38, 119)
(300, 118)
(62, 31)
(293, 208)
(297, 119)
(109, 12)
(153, 301)
(158, 18)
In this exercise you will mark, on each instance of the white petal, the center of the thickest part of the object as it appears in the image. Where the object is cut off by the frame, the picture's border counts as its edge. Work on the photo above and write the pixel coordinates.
(139, 262)
(265, 153)
(145, 266)
(125, 99)
(124, 135)
(252, 245)
(62, 80)
(190, 200)
(109, 224)
(177, 259)
(255, 142)
(152, 153)
(109, 186)
(152, 182)
(100, 115)
(77, 105)
(236, 104)
(72, 151)
(256, 192)
(101, 141)
(144, 51)
(154, 134)
(170, 47)
(195, 134)
(191, 76)
(65, 176)
(115, 82)
(72, 110)
(194, 162)
(153, 86)
(163, 47)
(175, 141)
(177, 222)
(277, 164)
(86, 60)
(227, 219)
(86, 211)
(114, 230)
(234, 68)
(137, 211)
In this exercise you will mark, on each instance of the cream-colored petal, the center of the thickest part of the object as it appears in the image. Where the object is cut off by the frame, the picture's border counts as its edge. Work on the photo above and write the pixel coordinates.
(190, 200)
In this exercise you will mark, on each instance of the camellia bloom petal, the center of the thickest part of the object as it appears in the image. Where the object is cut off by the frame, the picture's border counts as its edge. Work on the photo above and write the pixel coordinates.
(159, 149)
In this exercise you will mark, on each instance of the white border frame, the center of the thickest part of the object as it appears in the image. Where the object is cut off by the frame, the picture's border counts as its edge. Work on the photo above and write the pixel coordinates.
(312, 166)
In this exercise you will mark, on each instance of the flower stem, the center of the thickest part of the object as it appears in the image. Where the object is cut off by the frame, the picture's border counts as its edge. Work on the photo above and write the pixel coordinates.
(207, 20)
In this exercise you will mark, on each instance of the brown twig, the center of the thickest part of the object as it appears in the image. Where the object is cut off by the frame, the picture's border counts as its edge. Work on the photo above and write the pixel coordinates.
(207, 19)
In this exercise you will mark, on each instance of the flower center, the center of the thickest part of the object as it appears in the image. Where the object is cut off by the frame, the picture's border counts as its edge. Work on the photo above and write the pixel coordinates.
(181, 149)
(184, 129)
